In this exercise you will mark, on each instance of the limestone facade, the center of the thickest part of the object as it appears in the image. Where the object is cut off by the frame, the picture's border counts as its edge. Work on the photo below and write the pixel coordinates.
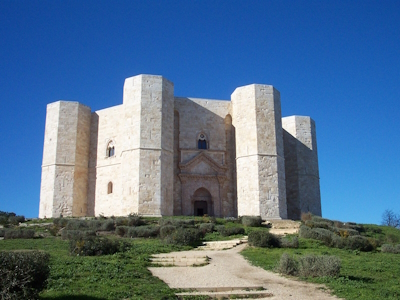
(157, 154)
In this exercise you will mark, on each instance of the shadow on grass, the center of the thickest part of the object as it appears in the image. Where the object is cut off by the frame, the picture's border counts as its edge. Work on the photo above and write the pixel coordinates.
(74, 297)
(361, 279)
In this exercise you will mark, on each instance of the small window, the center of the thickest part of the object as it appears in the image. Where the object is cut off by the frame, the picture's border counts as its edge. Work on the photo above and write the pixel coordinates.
(202, 141)
(110, 149)
(109, 188)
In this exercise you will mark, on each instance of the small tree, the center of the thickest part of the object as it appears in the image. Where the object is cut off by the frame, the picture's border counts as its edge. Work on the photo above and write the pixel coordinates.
(389, 218)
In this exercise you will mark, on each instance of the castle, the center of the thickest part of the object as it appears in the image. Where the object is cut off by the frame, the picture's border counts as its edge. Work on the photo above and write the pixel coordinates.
(157, 154)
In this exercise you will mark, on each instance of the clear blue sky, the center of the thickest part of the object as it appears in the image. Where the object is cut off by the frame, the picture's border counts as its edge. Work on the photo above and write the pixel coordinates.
(336, 61)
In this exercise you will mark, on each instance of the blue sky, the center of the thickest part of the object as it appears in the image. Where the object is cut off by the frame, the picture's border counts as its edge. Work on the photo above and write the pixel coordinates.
(336, 61)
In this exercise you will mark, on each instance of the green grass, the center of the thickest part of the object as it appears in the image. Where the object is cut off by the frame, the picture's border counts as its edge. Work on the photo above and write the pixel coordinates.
(364, 275)
(119, 276)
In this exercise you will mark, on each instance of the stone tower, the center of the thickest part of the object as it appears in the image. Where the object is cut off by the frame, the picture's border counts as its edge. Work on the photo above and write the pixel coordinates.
(302, 175)
(260, 164)
(65, 160)
(147, 158)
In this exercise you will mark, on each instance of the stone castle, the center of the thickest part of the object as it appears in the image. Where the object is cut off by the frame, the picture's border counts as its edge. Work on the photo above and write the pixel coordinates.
(157, 154)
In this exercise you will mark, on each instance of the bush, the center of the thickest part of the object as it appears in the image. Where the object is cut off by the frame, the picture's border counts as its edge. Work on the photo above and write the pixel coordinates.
(76, 234)
(306, 216)
(15, 220)
(176, 222)
(107, 225)
(94, 246)
(321, 234)
(228, 231)
(166, 231)
(206, 228)
(23, 274)
(263, 239)
(387, 248)
(2, 232)
(19, 234)
(317, 266)
(144, 231)
(135, 220)
(359, 243)
(287, 265)
(60, 222)
(251, 221)
(289, 242)
(75, 224)
(122, 230)
(184, 236)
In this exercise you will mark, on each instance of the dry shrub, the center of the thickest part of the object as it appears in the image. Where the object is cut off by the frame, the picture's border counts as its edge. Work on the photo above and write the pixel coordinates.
(19, 234)
(289, 242)
(306, 217)
(23, 274)
(251, 221)
(387, 248)
(263, 239)
(318, 266)
(287, 265)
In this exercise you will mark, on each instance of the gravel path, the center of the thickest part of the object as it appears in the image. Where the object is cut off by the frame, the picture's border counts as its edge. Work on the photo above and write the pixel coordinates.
(227, 269)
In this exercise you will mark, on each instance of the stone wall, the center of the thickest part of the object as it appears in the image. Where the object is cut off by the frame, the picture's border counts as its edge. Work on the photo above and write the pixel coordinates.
(65, 160)
(261, 188)
(302, 172)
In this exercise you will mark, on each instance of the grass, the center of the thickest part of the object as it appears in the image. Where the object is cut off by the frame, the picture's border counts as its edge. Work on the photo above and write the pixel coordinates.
(119, 276)
(364, 275)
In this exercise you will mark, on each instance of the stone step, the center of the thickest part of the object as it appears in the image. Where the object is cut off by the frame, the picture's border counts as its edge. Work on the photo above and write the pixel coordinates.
(252, 292)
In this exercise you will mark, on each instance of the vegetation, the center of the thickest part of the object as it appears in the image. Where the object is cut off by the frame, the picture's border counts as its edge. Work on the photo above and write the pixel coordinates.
(389, 218)
(23, 274)
(107, 258)
(355, 261)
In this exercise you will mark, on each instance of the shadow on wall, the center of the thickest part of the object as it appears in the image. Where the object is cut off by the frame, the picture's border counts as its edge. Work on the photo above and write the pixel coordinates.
(94, 134)
(302, 177)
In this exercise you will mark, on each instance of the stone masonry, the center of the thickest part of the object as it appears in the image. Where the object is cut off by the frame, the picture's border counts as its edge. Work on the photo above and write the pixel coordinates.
(157, 154)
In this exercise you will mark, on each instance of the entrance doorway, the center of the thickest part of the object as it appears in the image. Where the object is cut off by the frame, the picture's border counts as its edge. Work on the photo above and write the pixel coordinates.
(202, 204)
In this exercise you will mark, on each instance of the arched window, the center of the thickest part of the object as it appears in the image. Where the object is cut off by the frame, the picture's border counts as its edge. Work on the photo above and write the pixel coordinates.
(110, 149)
(202, 141)
(109, 188)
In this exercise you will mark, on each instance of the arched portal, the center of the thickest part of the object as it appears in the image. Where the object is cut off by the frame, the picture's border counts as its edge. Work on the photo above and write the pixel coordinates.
(202, 203)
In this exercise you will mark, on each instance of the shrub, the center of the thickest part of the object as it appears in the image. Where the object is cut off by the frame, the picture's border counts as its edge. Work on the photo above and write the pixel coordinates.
(321, 234)
(346, 232)
(206, 228)
(143, 231)
(75, 224)
(316, 224)
(176, 222)
(15, 220)
(228, 231)
(387, 248)
(23, 274)
(19, 234)
(166, 231)
(263, 239)
(251, 221)
(316, 266)
(94, 246)
(322, 220)
(289, 242)
(358, 242)
(76, 234)
(135, 220)
(107, 225)
(287, 265)
(306, 216)
(60, 222)
(184, 236)
(2, 232)
(122, 230)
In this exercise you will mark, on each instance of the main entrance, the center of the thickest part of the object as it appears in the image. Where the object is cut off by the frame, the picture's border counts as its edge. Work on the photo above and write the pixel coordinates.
(202, 204)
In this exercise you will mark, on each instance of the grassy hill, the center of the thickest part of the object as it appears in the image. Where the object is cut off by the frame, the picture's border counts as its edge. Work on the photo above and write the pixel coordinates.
(123, 275)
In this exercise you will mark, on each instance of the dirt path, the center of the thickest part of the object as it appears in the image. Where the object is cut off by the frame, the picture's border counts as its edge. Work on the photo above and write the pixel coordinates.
(227, 272)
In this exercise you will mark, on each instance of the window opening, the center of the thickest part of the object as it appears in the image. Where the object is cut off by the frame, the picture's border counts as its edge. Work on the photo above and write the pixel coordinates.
(202, 142)
(110, 188)
(110, 149)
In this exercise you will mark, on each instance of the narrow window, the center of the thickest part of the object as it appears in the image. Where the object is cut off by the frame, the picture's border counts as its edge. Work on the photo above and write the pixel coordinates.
(202, 141)
(109, 188)
(110, 149)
